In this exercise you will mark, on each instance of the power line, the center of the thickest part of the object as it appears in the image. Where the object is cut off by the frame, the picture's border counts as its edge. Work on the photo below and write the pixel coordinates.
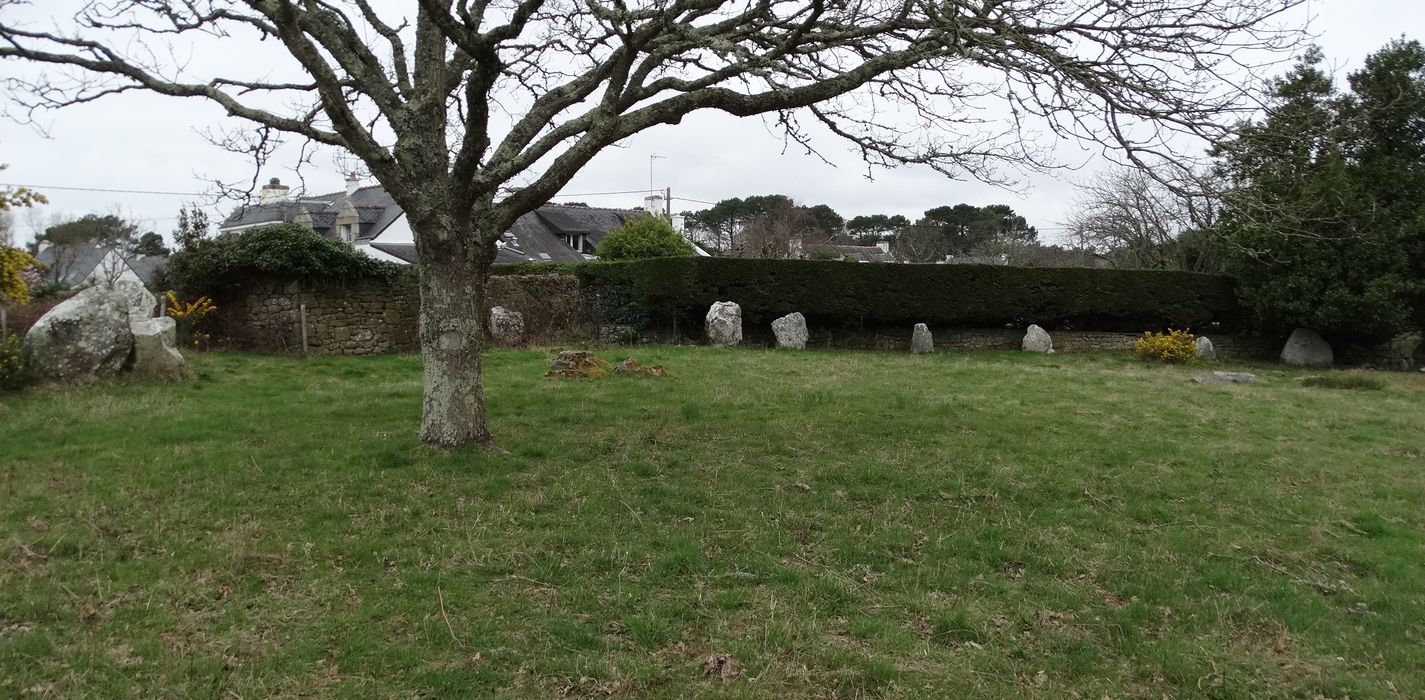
(101, 189)
(167, 193)
(561, 195)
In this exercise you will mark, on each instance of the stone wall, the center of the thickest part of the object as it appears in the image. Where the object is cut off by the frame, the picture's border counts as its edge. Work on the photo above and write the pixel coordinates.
(381, 316)
(973, 339)
(378, 316)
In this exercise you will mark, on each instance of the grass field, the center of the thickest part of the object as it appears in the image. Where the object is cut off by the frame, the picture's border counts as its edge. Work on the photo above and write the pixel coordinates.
(764, 524)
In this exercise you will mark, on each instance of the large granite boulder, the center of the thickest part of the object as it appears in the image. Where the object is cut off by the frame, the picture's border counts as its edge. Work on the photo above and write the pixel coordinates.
(724, 323)
(1036, 339)
(142, 303)
(506, 327)
(84, 337)
(1306, 348)
(920, 340)
(791, 331)
(155, 351)
(1205, 349)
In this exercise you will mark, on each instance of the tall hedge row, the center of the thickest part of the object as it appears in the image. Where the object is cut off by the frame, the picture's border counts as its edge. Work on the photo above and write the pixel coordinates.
(663, 290)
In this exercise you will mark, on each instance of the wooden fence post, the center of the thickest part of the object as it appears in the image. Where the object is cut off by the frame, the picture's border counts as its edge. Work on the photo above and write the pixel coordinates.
(303, 313)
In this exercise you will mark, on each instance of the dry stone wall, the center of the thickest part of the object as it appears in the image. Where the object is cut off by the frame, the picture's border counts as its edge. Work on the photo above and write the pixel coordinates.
(378, 316)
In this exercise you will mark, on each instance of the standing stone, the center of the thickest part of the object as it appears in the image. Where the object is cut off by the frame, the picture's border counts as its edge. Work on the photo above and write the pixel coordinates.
(142, 303)
(155, 351)
(506, 327)
(724, 323)
(1205, 350)
(86, 336)
(1036, 339)
(791, 331)
(920, 340)
(1306, 348)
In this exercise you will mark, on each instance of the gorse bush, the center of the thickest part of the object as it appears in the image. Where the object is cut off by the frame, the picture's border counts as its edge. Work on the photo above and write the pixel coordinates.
(17, 274)
(1173, 347)
(187, 316)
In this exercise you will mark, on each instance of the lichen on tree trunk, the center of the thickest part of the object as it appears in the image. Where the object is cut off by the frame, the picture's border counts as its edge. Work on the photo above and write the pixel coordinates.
(454, 271)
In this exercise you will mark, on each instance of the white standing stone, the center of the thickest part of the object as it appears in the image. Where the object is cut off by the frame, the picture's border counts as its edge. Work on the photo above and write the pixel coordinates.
(506, 327)
(142, 303)
(791, 331)
(83, 337)
(1205, 350)
(1306, 348)
(921, 341)
(724, 323)
(155, 351)
(1036, 339)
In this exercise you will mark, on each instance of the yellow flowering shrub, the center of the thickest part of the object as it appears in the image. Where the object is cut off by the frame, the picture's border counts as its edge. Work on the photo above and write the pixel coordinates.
(14, 262)
(1173, 347)
(187, 315)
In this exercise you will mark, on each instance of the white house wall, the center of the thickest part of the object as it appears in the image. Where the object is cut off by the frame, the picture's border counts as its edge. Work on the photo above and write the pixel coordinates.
(398, 231)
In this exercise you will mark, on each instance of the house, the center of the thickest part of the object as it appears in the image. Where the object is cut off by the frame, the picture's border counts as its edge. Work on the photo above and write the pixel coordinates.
(552, 233)
(82, 265)
(371, 221)
(881, 252)
(356, 216)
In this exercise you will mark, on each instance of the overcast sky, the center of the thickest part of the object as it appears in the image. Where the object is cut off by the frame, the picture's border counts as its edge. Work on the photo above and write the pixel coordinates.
(146, 142)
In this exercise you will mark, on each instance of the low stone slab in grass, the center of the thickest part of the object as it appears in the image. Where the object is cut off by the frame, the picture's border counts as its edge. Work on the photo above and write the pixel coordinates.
(578, 364)
(1225, 378)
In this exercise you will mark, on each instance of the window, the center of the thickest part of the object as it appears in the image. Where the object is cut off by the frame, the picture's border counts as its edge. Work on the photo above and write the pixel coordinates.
(346, 236)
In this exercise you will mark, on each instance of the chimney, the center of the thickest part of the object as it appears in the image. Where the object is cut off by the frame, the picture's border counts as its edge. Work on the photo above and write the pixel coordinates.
(353, 182)
(653, 204)
(885, 246)
(273, 191)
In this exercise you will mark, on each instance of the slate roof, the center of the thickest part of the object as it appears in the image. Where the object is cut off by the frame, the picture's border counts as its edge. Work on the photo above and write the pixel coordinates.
(863, 253)
(71, 264)
(539, 235)
(375, 210)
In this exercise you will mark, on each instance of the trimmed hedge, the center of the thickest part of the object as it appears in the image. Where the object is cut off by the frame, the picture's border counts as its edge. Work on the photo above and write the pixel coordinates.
(679, 290)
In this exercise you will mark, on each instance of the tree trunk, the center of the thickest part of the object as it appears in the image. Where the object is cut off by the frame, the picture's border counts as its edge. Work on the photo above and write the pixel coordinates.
(453, 273)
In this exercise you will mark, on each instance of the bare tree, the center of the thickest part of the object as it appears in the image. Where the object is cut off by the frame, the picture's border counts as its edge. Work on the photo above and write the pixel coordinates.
(921, 242)
(778, 233)
(452, 104)
(1133, 219)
